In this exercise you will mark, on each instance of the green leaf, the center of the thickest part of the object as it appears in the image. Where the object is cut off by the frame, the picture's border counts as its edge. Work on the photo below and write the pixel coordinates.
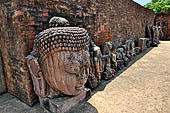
(159, 6)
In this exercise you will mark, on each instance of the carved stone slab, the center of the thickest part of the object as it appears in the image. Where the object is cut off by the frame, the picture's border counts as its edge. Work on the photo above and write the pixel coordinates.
(2, 77)
(63, 104)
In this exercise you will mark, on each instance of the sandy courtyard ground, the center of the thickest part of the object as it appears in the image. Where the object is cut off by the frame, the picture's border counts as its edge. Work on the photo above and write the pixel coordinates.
(143, 88)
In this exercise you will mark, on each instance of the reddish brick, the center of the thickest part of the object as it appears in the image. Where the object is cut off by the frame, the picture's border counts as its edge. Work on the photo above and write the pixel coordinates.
(31, 23)
(45, 14)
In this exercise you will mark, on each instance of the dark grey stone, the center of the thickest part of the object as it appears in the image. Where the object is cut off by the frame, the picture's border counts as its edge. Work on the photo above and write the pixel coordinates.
(63, 104)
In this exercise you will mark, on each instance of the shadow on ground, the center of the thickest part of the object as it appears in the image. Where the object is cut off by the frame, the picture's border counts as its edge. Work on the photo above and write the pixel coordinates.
(9, 104)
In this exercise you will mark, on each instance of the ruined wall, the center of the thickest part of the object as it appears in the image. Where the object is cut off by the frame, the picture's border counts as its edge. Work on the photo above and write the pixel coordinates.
(2, 76)
(164, 17)
(21, 20)
(14, 46)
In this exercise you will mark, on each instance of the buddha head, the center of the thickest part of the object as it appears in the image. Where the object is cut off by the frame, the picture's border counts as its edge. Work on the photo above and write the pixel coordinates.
(63, 56)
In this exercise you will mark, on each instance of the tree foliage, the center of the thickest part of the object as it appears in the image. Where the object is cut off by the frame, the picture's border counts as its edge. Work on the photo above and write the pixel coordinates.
(159, 6)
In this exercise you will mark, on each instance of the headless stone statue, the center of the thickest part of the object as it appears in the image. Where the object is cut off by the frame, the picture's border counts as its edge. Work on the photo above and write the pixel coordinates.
(159, 25)
(110, 64)
(122, 60)
(96, 68)
(155, 36)
(130, 49)
(149, 34)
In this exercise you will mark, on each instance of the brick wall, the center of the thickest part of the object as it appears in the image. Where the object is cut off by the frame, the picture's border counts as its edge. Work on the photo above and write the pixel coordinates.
(21, 20)
(2, 76)
(14, 37)
(164, 17)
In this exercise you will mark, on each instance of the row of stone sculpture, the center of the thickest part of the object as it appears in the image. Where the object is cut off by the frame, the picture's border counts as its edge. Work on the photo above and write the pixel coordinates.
(115, 58)
(154, 33)
(64, 60)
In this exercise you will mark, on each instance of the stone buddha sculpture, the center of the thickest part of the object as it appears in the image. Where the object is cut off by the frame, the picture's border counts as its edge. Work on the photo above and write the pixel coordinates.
(96, 67)
(110, 64)
(60, 60)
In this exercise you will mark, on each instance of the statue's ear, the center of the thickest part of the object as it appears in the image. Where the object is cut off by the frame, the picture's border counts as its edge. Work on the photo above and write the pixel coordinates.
(39, 82)
(33, 65)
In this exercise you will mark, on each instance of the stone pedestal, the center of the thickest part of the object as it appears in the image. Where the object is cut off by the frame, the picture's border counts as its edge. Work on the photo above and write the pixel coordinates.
(2, 77)
(63, 104)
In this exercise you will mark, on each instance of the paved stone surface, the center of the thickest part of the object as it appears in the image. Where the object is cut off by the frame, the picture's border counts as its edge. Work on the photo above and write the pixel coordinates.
(9, 104)
(144, 87)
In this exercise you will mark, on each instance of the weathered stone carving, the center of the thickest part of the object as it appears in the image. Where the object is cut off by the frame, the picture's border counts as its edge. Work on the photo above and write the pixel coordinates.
(138, 50)
(60, 60)
(148, 33)
(122, 60)
(148, 44)
(113, 58)
(130, 51)
(58, 22)
(161, 34)
(152, 32)
(155, 41)
(109, 60)
(142, 43)
(96, 68)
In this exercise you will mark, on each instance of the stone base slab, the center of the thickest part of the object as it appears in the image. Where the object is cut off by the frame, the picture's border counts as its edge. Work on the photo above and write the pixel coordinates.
(63, 104)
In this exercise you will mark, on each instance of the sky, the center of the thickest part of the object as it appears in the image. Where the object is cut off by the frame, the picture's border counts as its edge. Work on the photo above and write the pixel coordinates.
(142, 2)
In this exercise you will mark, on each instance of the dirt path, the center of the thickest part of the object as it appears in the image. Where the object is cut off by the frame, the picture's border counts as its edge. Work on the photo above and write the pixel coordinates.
(142, 88)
